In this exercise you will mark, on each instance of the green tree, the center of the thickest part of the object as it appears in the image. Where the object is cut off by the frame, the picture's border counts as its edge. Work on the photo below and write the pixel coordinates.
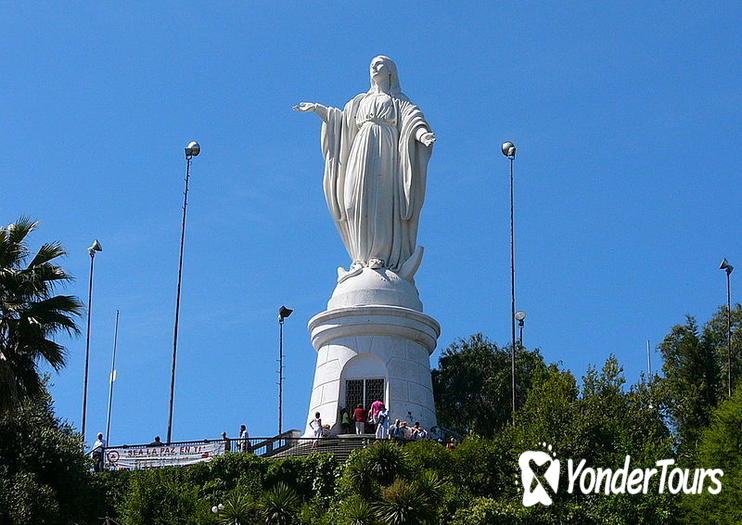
(30, 314)
(720, 447)
(45, 476)
(692, 383)
(472, 384)
(602, 422)
(715, 335)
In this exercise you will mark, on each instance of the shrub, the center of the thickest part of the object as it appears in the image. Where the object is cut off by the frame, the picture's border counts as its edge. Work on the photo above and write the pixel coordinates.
(45, 471)
(312, 476)
(403, 503)
(238, 509)
(354, 510)
(162, 497)
(374, 466)
(281, 505)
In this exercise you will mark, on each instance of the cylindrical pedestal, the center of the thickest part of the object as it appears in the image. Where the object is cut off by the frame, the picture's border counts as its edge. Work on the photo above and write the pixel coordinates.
(364, 351)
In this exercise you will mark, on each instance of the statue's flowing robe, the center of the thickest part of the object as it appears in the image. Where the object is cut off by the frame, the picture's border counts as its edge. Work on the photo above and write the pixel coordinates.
(375, 172)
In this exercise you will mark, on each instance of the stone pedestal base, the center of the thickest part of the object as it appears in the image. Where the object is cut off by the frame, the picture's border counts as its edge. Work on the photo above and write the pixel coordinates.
(373, 342)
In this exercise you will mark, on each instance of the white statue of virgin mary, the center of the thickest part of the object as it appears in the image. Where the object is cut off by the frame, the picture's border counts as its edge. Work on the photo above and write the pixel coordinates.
(376, 153)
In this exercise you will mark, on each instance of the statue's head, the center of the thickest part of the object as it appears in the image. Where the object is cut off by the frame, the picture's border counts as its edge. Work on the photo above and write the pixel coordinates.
(384, 67)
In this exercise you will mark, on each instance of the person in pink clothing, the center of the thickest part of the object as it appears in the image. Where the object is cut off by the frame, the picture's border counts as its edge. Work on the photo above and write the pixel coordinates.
(376, 407)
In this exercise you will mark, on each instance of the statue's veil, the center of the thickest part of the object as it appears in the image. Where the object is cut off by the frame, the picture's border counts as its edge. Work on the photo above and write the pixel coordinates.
(394, 88)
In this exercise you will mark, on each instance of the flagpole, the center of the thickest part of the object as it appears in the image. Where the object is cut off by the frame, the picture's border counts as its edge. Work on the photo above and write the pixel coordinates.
(112, 379)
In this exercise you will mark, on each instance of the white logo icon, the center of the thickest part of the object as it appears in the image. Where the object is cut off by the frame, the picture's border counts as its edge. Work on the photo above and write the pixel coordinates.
(536, 485)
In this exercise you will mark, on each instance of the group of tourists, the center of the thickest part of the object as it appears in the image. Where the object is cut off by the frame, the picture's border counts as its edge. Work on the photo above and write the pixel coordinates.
(375, 420)
(402, 430)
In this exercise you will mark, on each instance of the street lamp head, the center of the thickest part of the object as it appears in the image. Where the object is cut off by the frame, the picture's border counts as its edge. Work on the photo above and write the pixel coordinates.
(192, 149)
(283, 313)
(508, 149)
(95, 247)
(726, 266)
(519, 316)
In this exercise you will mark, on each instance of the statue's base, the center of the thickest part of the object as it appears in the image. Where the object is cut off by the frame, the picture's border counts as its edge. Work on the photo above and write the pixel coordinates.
(366, 350)
(375, 287)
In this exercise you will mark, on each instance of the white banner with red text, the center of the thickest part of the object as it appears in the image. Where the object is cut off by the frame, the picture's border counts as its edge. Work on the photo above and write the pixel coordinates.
(131, 458)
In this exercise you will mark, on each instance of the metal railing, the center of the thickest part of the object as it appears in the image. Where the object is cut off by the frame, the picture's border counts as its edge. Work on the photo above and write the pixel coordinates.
(288, 444)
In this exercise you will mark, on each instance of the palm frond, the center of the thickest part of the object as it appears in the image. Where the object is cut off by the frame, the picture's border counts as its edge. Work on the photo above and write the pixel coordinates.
(46, 253)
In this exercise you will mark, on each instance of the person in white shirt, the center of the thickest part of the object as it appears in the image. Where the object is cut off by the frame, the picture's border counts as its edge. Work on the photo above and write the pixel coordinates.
(316, 425)
(243, 445)
(382, 423)
(97, 452)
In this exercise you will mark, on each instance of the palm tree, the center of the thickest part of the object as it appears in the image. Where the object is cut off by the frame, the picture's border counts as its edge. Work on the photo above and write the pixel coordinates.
(30, 314)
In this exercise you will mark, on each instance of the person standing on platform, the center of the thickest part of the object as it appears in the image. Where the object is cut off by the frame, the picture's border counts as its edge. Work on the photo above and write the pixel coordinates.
(376, 407)
(382, 423)
(345, 421)
(243, 445)
(316, 425)
(227, 442)
(359, 416)
(97, 453)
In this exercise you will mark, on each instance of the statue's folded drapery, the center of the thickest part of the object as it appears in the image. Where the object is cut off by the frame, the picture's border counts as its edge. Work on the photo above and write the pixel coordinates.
(374, 180)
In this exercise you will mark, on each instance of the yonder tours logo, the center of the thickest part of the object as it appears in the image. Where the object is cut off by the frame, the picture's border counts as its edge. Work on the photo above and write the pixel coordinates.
(540, 476)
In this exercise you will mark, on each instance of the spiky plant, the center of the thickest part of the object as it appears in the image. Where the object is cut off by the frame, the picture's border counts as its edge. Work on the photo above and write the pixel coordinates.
(431, 486)
(238, 509)
(355, 510)
(31, 316)
(403, 503)
(280, 505)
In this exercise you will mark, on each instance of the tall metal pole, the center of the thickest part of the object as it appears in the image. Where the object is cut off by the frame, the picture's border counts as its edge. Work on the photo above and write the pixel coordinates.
(112, 378)
(193, 149)
(728, 268)
(283, 313)
(87, 346)
(649, 362)
(280, 375)
(729, 332)
(512, 278)
(95, 247)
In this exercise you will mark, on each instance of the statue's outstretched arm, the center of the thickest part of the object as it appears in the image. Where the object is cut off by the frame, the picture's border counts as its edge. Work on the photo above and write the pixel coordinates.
(318, 109)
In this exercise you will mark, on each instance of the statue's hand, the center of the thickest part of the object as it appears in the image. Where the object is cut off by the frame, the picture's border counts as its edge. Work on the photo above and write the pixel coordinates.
(427, 138)
(305, 106)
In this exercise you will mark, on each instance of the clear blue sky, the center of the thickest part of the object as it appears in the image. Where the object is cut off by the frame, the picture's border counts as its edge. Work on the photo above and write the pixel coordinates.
(626, 117)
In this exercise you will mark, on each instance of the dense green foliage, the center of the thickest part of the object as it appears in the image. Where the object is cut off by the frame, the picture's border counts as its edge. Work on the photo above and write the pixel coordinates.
(30, 314)
(44, 477)
(476, 483)
(473, 386)
(721, 447)
(695, 373)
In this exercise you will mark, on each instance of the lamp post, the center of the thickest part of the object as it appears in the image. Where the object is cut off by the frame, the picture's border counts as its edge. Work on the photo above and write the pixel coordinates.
(95, 247)
(521, 318)
(728, 268)
(283, 313)
(508, 149)
(112, 378)
(191, 150)
(649, 372)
